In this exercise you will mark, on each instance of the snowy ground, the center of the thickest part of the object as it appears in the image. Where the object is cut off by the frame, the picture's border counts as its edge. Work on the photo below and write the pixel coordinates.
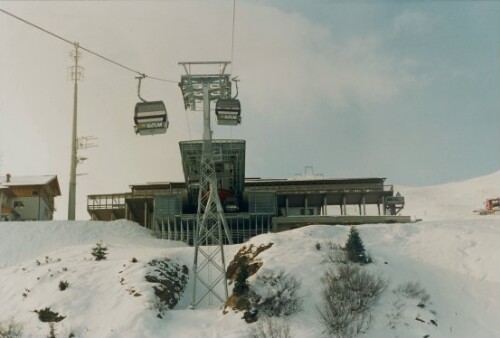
(453, 253)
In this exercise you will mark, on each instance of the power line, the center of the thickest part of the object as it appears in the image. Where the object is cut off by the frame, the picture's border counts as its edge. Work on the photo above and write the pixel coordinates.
(85, 49)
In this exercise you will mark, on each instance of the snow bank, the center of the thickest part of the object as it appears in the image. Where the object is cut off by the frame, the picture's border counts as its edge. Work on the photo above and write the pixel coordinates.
(21, 241)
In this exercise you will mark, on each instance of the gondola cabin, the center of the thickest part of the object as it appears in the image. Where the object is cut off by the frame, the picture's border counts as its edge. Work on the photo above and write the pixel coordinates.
(228, 112)
(150, 118)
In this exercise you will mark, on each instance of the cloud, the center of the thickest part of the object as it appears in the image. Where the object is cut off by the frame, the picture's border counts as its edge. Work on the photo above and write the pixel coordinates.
(412, 22)
(291, 62)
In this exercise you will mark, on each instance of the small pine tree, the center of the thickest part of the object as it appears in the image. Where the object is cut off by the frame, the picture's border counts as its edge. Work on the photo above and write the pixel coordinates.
(355, 249)
(99, 252)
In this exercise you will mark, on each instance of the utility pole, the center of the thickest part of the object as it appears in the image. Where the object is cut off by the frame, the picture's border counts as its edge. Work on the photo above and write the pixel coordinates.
(75, 76)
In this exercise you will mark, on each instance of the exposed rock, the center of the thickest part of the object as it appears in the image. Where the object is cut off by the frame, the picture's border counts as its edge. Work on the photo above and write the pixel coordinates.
(246, 256)
(169, 281)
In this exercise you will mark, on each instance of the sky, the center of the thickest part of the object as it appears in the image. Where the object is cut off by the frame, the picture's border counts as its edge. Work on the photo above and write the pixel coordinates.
(407, 90)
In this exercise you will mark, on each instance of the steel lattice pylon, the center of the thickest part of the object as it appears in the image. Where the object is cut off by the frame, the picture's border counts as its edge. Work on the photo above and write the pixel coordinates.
(209, 267)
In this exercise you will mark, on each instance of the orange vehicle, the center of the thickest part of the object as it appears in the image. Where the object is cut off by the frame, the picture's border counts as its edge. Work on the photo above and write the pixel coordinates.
(491, 206)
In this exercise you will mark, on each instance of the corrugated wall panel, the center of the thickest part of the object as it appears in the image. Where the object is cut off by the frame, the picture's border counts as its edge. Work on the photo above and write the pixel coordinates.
(262, 203)
(168, 205)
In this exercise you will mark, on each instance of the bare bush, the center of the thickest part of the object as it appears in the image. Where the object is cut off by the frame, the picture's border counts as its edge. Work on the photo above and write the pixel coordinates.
(336, 255)
(276, 294)
(413, 290)
(332, 246)
(48, 316)
(349, 294)
(63, 285)
(52, 331)
(11, 329)
(270, 328)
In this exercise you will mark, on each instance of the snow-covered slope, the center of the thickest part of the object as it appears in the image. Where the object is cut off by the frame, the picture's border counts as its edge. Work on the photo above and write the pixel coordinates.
(451, 200)
(455, 258)
(26, 240)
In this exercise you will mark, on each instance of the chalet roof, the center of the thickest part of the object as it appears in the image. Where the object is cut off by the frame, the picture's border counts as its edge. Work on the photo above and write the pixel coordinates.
(16, 181)
(27, 180)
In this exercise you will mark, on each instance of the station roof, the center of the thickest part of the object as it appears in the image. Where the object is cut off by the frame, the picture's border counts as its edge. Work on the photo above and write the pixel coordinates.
(255, 182)
(312, 181)
(158, 185)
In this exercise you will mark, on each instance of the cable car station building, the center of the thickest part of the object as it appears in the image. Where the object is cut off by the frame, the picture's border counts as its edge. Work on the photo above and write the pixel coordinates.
(252, 206)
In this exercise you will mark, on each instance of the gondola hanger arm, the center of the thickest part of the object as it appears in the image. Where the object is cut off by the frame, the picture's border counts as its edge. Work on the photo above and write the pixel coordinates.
(140, 78)
(235, 80)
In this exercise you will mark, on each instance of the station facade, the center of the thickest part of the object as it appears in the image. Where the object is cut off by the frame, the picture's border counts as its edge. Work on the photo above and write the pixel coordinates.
(251, 206)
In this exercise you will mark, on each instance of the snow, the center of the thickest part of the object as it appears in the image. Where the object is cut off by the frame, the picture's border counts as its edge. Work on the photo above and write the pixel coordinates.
(27, 180)
(453, 253)
(451, 200)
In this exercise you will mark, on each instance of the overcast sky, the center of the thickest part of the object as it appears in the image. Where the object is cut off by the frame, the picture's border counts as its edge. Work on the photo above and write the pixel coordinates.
(408, 90)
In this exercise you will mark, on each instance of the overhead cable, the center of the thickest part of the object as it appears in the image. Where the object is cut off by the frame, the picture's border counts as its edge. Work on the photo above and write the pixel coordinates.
(86, 49)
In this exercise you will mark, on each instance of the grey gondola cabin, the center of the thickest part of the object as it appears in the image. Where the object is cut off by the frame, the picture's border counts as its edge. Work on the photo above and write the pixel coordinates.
(228, 112)
(150, 118)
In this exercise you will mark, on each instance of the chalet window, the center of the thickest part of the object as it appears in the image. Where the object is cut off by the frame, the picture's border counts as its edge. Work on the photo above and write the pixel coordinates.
(18, 205)
(35, 193)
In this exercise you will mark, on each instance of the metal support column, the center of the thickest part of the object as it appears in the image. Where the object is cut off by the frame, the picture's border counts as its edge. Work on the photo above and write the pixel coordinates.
(182, 230)
(74, 161)
(210, 222)
(176, 229)
(209, 267)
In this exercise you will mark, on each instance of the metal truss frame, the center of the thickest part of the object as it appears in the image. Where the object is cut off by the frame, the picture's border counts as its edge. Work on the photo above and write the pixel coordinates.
(208, 270)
